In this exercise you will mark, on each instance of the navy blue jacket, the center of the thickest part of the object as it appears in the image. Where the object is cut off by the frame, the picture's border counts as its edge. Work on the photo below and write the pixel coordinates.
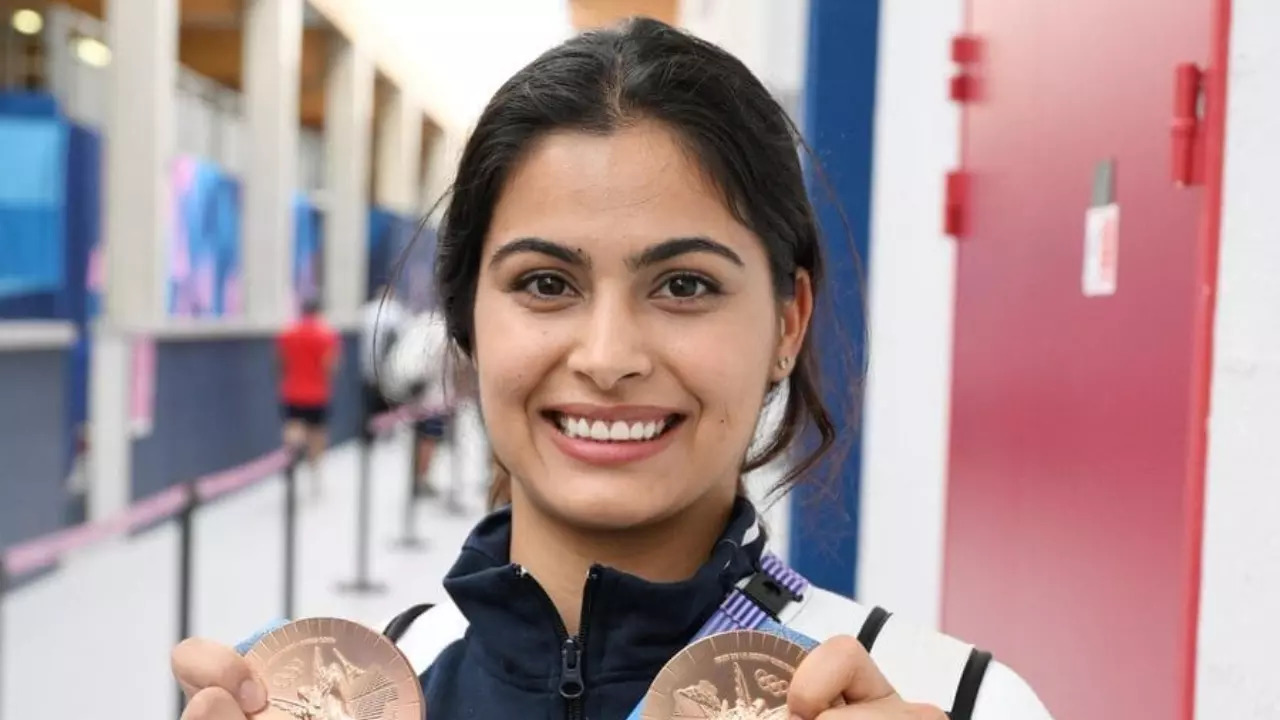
(517, 661)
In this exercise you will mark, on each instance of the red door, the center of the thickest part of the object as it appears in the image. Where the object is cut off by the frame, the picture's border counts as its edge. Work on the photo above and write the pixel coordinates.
(1074, 499)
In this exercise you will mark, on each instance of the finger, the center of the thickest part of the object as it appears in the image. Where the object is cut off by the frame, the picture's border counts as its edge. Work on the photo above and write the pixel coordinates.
(199, 664)
(213, 704)
(839, 668)
(887, 709)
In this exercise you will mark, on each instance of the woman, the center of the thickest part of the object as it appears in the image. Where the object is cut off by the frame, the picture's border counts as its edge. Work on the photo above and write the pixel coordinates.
(630, 260)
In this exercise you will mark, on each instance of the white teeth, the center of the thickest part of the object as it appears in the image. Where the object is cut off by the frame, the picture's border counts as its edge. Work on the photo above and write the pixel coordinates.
(617, 431)
(599, 431)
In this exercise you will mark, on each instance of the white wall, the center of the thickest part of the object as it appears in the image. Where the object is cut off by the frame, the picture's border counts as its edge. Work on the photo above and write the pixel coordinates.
(1240, 586)
(911, 289)
(456, 54)
(80, 88)
(771, 37)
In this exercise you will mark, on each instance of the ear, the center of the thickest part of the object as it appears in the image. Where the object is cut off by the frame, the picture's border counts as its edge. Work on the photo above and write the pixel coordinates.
(794, 318)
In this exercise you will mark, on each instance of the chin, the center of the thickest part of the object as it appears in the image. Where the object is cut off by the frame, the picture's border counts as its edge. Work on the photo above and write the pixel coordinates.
(610, 504)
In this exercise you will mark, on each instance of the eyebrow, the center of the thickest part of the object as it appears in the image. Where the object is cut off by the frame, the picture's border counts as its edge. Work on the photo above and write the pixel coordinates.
(541, 247)
(676, 247)
(665, 250)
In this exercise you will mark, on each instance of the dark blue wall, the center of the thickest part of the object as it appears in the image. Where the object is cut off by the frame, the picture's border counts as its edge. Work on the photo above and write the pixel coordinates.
(83, 233)
(33, 457)
(216, 406)
(839, 109)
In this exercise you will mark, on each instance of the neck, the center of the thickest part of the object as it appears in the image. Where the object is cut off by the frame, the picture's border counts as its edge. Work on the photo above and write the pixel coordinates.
(559, 555)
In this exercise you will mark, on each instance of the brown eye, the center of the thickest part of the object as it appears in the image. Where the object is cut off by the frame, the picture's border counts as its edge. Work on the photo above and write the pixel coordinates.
(687, 287)
(545, 285)
(684, 287)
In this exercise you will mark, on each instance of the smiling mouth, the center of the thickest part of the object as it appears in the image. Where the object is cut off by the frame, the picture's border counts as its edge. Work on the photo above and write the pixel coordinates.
(617, 431)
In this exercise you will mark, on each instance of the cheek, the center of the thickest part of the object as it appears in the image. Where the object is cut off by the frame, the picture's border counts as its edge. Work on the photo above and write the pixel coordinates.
(511, 353)
(726, 366)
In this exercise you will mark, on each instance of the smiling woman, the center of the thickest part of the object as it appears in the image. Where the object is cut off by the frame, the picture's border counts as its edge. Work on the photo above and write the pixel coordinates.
(616, 287)
(629, 259)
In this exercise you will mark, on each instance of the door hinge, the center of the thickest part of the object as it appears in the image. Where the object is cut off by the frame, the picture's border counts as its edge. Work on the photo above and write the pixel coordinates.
(956, 205)
(1187, 127)
(966, 53)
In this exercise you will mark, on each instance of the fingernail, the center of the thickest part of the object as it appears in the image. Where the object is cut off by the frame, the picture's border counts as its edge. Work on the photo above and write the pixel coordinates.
(252, 696)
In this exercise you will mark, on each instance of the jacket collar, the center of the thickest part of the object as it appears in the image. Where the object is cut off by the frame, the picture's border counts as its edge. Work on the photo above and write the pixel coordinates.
(631, 626)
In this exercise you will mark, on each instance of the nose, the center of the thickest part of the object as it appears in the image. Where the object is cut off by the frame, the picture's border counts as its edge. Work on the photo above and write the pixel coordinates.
(611, 346)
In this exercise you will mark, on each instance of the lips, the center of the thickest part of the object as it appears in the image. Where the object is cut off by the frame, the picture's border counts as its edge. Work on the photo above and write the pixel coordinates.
(612, 435)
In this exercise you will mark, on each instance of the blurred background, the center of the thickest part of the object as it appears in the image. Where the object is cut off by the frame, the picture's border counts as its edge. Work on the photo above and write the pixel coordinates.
(1064, 214)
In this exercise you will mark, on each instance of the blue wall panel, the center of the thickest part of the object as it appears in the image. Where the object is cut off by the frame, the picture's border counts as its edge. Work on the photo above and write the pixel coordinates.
(33, 154)
(216, 407)
(839, 110)
(32, 451)
(30, 306)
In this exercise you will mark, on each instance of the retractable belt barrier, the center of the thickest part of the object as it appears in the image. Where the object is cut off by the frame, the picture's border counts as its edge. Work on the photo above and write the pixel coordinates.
(181, 501)
(380, 426)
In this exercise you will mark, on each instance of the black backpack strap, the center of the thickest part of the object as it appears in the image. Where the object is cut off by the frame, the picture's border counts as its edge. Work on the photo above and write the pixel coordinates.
(975, 669)
(399, 625)
(872, 626)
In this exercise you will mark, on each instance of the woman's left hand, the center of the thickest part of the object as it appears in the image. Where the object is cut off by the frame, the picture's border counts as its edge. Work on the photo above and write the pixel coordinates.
(838, 680)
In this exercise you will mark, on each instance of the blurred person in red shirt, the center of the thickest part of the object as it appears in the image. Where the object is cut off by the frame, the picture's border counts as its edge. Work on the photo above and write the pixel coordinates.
(308, 352)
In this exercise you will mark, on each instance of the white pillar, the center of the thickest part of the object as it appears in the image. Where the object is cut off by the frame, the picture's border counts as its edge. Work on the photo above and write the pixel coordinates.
(348, 120)
(272, 63)
(442, 157)
(399, 155)
(143, 37)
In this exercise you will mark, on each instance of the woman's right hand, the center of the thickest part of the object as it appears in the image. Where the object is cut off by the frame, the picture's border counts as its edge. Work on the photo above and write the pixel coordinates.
(218, 682)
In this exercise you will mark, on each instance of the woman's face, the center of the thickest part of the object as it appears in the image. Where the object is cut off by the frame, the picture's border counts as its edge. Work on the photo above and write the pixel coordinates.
(626, 330)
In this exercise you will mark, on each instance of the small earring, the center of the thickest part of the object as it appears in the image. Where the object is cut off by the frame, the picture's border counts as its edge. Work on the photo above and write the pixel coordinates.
(784, 363)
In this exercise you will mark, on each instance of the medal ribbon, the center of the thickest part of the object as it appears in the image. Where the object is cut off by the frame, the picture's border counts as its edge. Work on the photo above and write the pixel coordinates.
(740, 612)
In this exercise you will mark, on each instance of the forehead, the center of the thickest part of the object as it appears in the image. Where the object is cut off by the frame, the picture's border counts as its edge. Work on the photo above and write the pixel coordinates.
(635, 183)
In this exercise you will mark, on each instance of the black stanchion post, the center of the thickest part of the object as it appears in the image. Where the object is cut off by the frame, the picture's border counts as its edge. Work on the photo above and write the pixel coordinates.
(186, 561)
(410, 540)
(452, 503)
(290, 529)
(362, 583)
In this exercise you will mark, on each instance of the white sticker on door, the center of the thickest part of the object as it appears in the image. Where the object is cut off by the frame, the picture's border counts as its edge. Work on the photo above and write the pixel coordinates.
(1101, 248)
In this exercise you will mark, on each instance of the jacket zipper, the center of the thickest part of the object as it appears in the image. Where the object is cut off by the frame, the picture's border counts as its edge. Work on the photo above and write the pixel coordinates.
(572, 687)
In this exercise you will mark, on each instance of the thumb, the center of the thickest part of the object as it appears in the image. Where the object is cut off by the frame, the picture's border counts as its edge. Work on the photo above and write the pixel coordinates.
(199, 664)
(836, 672)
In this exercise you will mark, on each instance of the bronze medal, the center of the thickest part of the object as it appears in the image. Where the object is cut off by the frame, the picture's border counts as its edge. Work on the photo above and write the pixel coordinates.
(736, 675)
(329, 669)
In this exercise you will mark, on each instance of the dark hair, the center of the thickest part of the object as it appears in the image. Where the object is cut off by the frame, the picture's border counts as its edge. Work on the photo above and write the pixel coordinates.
(311, 306)
(604, 80)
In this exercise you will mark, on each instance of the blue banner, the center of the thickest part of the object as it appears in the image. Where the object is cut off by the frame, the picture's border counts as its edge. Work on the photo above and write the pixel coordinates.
(33, 160)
